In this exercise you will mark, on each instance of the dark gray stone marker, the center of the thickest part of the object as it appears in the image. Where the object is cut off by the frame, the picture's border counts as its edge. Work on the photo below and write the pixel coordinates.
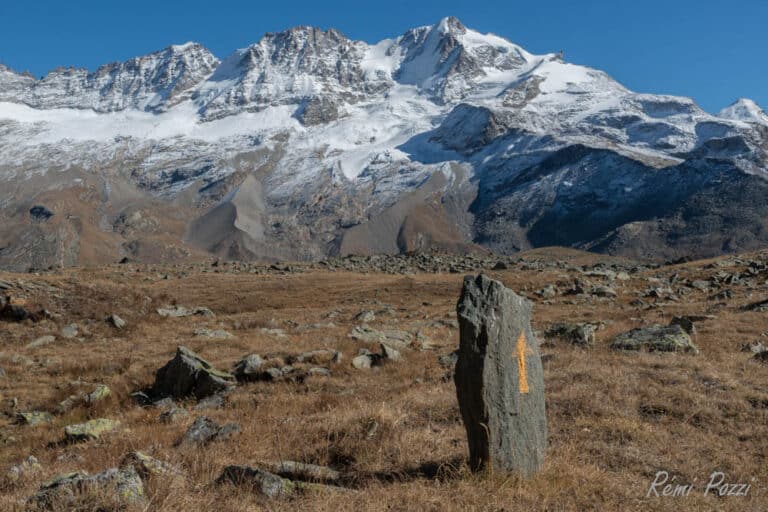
(499, 379)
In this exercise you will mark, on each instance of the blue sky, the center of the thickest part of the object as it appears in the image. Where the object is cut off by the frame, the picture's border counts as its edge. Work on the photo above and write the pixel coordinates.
(712, 51)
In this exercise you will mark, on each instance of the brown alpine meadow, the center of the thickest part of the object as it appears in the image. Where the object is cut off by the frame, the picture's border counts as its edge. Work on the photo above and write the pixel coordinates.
(390, 432)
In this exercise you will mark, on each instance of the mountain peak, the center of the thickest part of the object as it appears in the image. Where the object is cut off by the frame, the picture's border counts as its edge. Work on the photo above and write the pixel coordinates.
(304, 33)
(189, 45)
(746, 110)
(450, 25)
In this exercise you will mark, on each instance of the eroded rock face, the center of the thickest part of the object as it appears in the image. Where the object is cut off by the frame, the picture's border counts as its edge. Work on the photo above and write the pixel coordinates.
(318, 110)
(188, 374)
(499, 379)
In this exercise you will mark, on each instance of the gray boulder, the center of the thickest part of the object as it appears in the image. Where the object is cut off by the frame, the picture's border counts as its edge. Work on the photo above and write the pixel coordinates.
(249, 368)
(204, 430)
(90, 430)
(69, 331)
(34, 418)
(188, 374)
(319, 356)
(173, 415)
(364, 361)
(392, 337)
(582, 334)
(271, 485)
(686, 322)
(304, 472)
(389, 354)
(604, 291)
(121, 487)
(499, 379)
(365, 316)
(656, 338)
(263, 482)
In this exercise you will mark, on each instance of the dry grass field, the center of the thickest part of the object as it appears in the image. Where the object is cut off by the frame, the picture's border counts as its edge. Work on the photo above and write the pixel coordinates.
(614, 418)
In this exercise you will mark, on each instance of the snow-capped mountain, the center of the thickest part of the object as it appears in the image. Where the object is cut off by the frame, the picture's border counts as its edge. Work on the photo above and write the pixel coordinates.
(745, 110)
(152, 83)
(307, 143)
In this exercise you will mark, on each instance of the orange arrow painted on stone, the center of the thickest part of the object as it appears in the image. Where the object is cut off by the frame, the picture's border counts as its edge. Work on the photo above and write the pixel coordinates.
(522, 375)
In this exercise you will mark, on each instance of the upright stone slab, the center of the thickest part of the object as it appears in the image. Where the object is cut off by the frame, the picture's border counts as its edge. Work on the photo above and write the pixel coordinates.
(499, 379)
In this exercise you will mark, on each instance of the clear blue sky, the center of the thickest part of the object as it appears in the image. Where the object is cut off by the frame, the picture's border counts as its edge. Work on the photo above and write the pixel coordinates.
(711, 50)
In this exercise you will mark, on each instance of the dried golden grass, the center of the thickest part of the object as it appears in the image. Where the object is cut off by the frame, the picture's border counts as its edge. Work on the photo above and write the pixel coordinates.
(614, 419)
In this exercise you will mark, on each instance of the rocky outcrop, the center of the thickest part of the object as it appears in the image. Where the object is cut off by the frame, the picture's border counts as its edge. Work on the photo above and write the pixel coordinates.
(153, 82)
(189, 375)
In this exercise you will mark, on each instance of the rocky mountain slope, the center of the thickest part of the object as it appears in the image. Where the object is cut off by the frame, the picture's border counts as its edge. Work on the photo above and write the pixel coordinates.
(308, 144)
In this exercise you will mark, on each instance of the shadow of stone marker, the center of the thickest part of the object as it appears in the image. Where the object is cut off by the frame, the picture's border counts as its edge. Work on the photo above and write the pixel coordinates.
(499, 379)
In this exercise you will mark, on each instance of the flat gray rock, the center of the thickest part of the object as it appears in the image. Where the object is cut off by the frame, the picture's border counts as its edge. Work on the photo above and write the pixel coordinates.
(392, 337)
(656, 338)
(42, 341)
(181, 311)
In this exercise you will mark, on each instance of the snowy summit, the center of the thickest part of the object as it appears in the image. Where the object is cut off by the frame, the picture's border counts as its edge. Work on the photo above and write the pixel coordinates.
(307, 143)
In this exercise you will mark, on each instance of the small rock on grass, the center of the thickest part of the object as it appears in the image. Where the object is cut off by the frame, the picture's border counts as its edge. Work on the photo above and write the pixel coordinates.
(214, 334)
(181, 311)
(34, 418)
(146, 465)
(41, 341)
(204, 430)
(173, 415)
(90, 430)
(305, 472)
(116, 322)
(122, 485)
(269, 484)
(100, 393)
(69, 331)
(390, 354)
(27, 468)
(656, 338)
